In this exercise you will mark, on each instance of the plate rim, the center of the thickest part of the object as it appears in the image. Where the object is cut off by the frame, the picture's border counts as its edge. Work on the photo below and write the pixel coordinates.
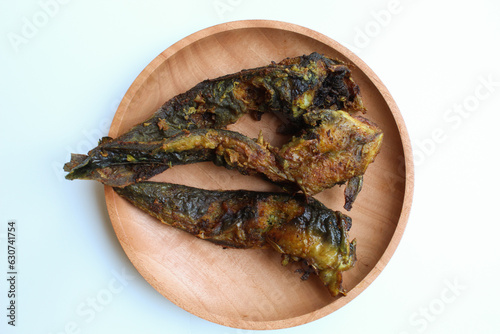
(403, 134)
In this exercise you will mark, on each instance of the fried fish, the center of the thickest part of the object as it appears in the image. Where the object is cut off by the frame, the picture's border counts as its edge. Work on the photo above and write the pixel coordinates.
(335, 148)
(297, 227)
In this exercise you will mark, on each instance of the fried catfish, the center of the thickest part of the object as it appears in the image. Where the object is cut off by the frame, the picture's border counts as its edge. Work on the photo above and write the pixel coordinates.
(297, 227)
(289, 89)
(336, 148)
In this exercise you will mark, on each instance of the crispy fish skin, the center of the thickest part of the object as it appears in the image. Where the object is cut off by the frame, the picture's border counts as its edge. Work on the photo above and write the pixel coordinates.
(335, 149)
(297, 227)
(287, 88)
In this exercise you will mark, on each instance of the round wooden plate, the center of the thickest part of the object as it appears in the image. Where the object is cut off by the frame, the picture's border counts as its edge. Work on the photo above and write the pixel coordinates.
(250, 289)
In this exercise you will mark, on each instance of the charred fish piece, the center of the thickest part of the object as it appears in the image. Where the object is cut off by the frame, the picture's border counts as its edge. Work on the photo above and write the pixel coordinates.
(335, 149)
(288, 89)
(296, 227)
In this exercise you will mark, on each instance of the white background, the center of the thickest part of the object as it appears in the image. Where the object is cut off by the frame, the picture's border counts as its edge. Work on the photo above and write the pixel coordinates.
(60, 84)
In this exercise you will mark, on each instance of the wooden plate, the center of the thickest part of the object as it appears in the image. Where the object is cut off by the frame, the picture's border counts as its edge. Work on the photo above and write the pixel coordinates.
(250, 289)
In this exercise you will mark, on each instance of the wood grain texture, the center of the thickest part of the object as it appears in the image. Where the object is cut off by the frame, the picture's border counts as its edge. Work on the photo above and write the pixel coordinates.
(250, 289)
